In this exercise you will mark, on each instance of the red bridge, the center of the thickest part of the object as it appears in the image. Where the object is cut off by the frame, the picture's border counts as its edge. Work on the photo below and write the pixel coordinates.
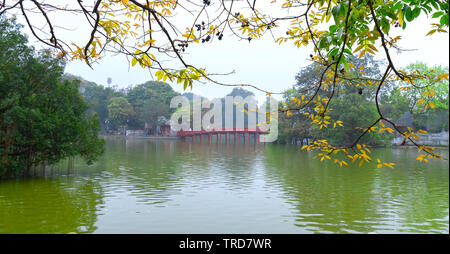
(236, 132)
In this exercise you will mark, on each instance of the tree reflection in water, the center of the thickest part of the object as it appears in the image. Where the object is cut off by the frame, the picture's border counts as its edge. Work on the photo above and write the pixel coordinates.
(413, 197)
(63, 205)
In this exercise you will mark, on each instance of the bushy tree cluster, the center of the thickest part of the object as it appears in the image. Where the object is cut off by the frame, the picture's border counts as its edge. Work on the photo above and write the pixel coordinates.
(43, 119)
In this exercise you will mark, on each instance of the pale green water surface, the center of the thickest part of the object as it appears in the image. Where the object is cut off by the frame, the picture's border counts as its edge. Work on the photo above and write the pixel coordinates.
(144, 186)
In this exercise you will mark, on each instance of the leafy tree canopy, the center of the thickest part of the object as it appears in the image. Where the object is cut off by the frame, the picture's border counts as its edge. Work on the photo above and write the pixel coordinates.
(430, 107)
(97, 96)
(120, 111)
(42, 118)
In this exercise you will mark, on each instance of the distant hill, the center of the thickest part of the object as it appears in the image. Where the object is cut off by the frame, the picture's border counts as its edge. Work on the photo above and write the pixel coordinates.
(238, 91)
(83, 82)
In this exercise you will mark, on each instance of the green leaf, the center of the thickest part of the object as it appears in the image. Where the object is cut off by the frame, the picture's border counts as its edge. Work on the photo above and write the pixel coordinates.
(435, 5)
(416, 12)
(336, 10)
(444, 20)
(408, 14)
(385, 26)
(437, 14)
(391, 14)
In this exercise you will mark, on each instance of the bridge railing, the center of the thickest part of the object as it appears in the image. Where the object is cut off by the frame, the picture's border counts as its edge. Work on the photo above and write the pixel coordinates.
(221, 130)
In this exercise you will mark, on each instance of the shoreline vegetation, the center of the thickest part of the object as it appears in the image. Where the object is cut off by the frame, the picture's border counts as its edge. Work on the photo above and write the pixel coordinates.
(145, 108)
(43, 118)
(406, 146)
(67, 166)
(47, 115)
(139, 137)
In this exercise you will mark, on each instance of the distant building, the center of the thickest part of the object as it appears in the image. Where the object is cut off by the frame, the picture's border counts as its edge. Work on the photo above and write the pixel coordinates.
(163, 128)
(406, 120)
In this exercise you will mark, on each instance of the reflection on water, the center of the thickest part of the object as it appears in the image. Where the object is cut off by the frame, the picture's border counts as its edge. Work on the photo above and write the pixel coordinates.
(143, 186)
(411, 198)
(62, 205)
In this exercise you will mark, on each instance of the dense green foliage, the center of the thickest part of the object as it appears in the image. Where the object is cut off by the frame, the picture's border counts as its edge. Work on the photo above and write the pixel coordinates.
(42, 118)
(150, 101)
(141, 105)
(353, 106)
(120, 111)
(97, 97)
(132, 108)
(399, 101)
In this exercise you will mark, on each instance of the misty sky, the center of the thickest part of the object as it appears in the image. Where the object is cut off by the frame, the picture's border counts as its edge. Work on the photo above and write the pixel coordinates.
(262, 63)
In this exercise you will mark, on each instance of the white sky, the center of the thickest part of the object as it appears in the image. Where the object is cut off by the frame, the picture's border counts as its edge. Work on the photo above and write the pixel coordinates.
(262, 63)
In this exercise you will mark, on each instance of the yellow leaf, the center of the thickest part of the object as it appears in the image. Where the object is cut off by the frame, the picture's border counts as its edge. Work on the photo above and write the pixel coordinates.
(133, 61)
(431, 32)
(389, 165)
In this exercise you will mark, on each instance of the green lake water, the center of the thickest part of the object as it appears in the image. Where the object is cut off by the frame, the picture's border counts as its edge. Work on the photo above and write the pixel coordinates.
(144, 186)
